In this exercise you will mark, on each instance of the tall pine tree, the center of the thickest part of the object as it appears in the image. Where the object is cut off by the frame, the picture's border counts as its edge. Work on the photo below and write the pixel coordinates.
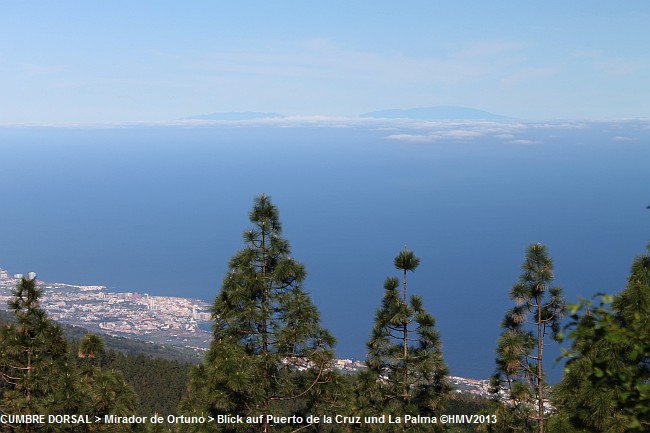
(406, 372)
(526, 330)
(32, 357)
(269, 355)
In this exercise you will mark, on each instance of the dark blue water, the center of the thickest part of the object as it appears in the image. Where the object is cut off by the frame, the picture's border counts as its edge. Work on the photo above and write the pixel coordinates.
(161, 210)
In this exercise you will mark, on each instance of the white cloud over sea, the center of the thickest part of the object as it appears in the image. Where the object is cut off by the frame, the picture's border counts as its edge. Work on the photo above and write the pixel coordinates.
(516, 132)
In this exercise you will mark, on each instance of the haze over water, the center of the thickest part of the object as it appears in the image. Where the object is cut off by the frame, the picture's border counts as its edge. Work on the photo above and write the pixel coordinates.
(161, 209)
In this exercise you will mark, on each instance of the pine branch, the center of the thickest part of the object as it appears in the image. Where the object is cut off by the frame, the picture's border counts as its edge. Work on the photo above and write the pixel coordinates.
(316, 381)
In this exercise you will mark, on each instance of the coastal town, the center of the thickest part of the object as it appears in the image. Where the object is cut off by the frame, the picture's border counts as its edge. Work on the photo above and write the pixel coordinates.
(163, 320)
(157, 319)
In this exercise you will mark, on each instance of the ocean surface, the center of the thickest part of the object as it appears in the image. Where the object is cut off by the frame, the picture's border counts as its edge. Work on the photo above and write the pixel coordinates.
(160, 209)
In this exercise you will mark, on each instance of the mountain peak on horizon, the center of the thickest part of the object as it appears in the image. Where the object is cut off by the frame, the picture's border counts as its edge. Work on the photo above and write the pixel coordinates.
(440, 112)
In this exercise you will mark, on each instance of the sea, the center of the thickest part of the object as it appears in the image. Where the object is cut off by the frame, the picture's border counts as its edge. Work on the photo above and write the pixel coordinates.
(160, 208)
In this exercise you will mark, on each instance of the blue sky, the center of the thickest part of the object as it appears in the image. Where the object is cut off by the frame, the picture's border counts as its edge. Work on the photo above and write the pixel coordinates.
(125, 61)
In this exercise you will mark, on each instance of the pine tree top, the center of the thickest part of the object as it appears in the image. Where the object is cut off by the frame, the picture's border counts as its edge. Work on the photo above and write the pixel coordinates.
(406, 260)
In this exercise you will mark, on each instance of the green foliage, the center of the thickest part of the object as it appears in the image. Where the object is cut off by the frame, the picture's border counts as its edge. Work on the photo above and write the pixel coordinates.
(32, 356)
(158, 374)
(159, 383)
(606, 387)
(90, 346)
(128, 346)
(464, 404)
(39, 377)
(269, 354)
(509, 419)
(519, 376)
(406, 372)
(406, 260)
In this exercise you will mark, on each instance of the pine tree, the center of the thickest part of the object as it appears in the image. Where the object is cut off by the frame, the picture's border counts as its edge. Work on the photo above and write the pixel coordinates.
(606, 386)
(269, 354)
(39, 376)
(406, 372)
(106, 391)
(32, 356)
(526, 328)
(90, 346)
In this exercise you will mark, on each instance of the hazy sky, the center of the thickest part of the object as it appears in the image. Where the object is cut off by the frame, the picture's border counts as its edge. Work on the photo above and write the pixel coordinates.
(82, 61)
